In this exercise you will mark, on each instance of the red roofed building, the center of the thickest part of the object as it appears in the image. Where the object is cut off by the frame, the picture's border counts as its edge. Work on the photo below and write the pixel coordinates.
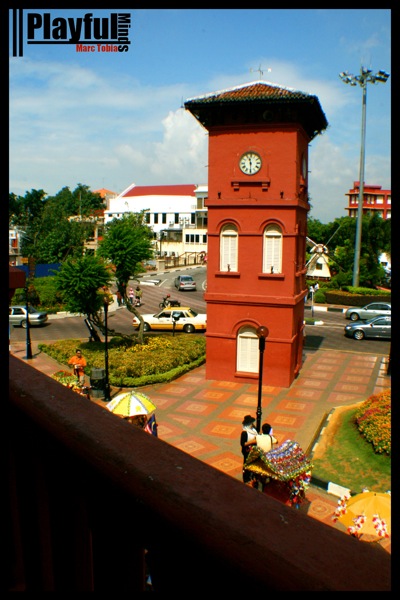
(176, 213)
(375, 201)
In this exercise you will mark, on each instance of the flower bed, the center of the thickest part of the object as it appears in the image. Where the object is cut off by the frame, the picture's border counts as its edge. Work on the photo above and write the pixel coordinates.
(373, 420)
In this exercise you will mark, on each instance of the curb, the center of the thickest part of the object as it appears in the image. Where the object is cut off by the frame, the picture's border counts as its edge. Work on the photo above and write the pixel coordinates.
(327, 308)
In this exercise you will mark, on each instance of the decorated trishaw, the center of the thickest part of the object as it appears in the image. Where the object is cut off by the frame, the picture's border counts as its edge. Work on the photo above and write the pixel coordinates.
(283, 472)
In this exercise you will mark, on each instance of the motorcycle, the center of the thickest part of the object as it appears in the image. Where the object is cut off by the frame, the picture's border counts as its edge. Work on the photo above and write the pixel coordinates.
(166, 302)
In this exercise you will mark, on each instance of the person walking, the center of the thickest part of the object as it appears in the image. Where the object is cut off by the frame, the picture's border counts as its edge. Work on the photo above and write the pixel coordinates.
(131, 295)
(79, 363)
(247, 440)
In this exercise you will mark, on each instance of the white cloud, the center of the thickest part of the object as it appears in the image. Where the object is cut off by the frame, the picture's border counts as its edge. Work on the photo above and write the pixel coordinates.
(182, 152)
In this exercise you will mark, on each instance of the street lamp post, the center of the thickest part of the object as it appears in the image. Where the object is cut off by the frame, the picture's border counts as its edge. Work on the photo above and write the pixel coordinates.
(262, 333)
(312, 301)
(107, 384)
(366, 76)
(28, 327)
(175, 318)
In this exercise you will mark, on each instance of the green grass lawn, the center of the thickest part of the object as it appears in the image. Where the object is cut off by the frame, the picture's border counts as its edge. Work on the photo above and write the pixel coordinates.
(350, 461)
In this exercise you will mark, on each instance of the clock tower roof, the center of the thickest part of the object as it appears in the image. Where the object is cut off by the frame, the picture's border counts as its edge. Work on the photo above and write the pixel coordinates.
(259, 102)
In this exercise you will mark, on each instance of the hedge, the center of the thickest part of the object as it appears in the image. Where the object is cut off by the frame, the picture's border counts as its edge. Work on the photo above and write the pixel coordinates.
(359, 299)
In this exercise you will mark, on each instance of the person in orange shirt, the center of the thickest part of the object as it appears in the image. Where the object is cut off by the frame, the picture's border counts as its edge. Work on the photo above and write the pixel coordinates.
(79, 363)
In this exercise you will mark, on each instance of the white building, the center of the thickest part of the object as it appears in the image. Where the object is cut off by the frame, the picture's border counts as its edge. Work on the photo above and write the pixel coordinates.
(14, 252)
(176, 214)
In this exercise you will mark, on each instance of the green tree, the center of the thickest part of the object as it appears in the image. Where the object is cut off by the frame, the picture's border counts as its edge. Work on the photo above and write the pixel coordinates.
(54, 227)
(61, 236)
(81, 202)
(316, 230)
(339, 237)
(373, 244)
(387, 237)
(82, 281)
(25, 212)
(126, 244)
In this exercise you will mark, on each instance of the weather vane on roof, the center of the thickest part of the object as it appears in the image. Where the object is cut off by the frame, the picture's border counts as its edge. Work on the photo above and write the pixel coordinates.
(260, 71)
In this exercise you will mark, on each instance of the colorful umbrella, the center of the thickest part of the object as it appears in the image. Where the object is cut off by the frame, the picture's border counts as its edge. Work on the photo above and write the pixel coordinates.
(131, 404)
(368, 513)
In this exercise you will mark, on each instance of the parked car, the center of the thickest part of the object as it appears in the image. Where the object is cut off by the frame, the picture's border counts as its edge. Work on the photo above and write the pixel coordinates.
(186, 319)
(185, 282)
(374, 309)
(17, 316)
(378, 327)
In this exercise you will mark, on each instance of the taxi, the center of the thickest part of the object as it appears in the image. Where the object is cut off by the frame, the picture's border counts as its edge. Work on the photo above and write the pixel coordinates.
(184, 319)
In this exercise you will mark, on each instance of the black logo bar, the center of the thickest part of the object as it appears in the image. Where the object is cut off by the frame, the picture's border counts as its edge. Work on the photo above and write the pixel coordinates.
(18, 32)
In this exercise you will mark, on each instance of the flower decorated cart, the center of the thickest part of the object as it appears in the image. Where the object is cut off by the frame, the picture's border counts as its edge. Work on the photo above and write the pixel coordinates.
(284, 471)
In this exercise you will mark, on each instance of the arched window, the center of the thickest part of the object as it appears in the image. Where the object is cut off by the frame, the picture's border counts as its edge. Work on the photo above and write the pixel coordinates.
(272, 250)
(229, 248)
(247, 354)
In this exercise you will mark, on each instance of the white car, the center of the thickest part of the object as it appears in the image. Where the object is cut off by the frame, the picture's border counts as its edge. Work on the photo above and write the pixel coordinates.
(182, 319)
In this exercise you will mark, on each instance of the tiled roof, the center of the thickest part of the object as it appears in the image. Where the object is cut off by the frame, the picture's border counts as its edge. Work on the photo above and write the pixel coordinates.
(103, 192)
(259, 102)
(160, 190)
(259, 90)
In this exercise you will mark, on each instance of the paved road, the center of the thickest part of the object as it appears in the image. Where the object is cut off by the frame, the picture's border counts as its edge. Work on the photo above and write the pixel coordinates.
(329, 336)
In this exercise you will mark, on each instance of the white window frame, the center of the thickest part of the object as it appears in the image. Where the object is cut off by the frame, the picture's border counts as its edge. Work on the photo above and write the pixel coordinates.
(229, 242)
(247, 350)
(272, 249)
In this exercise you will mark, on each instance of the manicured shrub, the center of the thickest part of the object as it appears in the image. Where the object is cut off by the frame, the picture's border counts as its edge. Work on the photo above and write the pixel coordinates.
(161, 358)
(374, 423)
(319, 297)
(360, 299)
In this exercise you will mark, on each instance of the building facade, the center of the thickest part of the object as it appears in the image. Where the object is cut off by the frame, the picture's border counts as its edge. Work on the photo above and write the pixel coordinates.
(177, 214)
(14, 253)
(375, 201)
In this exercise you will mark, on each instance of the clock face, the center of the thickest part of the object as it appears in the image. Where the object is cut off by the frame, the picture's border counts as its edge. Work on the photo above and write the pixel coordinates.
(250, 163)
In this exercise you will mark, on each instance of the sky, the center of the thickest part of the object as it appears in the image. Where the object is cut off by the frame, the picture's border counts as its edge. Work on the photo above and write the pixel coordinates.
(108, 120)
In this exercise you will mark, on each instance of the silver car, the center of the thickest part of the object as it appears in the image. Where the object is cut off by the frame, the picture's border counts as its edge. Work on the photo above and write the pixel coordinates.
(185, 282)
(378, 327)
(17, 316)
(374, 309)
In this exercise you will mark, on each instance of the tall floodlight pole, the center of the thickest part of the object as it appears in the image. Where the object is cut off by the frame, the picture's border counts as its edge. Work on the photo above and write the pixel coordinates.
(365, 76)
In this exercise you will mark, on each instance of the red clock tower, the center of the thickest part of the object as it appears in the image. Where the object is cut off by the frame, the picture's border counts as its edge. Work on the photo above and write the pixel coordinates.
(257, 225)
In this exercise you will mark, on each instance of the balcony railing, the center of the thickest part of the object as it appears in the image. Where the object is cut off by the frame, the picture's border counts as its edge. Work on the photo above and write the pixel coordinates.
(95, 504)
